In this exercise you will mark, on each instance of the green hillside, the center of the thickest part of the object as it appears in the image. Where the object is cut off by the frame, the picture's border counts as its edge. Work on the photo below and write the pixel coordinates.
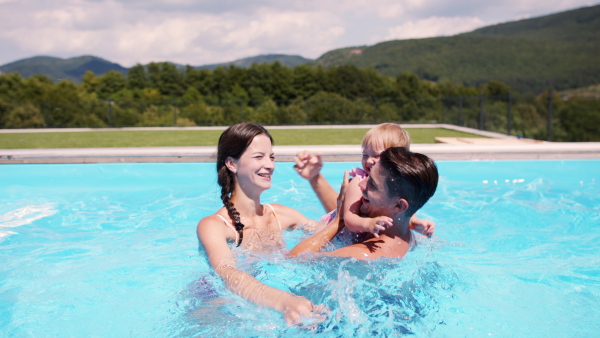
(561, 48)
(57, 69)
(285, 60)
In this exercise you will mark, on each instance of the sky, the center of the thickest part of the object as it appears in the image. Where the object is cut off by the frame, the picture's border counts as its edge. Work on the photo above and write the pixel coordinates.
(215, 31)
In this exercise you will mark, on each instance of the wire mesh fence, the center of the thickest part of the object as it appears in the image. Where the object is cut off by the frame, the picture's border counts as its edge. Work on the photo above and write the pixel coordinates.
(544, 118)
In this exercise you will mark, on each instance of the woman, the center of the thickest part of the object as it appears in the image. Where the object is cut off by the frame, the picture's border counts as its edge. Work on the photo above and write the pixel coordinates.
(245, 165)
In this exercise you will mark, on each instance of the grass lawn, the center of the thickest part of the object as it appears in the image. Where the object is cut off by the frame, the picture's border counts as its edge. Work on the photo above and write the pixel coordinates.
(182, 138)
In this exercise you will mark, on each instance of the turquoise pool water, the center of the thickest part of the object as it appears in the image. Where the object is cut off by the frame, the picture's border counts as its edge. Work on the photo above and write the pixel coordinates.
(110, 250)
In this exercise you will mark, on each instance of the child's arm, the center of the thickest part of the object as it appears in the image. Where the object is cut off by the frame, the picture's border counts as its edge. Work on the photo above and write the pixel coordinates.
(352, 219)
(309, 166)
(421, 225)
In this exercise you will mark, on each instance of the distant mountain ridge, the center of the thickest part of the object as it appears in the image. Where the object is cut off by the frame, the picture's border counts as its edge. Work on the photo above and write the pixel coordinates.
(286, 60)
(58, 69)
(559, 49)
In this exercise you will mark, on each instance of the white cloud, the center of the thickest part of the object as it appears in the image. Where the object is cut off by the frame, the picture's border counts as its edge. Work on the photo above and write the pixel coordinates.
(431, 27)
(210, 31)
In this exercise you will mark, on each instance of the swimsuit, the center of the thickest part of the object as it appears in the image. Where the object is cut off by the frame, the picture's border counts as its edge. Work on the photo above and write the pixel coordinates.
(238, 234)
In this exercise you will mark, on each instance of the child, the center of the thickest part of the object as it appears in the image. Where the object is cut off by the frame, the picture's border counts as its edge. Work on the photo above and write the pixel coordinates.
(375, 141)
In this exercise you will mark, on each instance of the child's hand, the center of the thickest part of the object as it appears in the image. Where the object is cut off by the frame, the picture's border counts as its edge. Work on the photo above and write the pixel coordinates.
(374, 225)
(308, 165)
(423, 226)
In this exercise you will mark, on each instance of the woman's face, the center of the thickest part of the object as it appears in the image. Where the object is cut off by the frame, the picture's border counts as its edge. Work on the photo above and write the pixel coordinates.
(370, 156)
(256, 165)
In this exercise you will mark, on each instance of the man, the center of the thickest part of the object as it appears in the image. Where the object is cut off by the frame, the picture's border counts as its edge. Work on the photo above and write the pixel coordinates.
(398, 185)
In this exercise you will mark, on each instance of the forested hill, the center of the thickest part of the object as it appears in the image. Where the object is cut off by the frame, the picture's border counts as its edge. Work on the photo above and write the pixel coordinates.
(286, 60)
(56, 68)
(562, 49)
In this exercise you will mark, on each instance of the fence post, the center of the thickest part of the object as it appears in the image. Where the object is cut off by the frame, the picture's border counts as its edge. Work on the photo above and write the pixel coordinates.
(460, 112)
(550, 115)
(307, 110)
(46, 115)
(481, 111)
(110, 114)
(509, 117)
(375, 109)
(175, 113)
(442, 117)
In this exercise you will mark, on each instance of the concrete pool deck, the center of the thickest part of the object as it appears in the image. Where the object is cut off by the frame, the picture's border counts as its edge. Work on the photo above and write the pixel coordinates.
(496, 147)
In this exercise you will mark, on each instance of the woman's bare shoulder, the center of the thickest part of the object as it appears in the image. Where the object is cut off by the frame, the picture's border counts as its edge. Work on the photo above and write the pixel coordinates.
(213, 224)
(289, 217)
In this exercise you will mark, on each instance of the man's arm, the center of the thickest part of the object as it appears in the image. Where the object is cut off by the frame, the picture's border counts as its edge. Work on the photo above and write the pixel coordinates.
(317, 241)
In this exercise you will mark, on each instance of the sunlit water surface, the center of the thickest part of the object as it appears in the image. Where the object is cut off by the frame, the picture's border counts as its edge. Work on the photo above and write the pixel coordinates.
(110, 250)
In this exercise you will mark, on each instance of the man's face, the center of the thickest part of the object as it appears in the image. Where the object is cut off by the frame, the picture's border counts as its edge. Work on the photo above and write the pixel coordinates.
(376, 201)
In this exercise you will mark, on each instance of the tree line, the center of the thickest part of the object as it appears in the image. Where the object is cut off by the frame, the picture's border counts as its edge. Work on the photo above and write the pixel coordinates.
(161, 94)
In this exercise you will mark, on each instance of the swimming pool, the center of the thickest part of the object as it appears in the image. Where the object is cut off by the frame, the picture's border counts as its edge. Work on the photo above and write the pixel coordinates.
(110, 250)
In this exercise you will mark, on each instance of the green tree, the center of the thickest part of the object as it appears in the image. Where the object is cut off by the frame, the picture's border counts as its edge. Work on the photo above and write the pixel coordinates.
(11, 87)
(110, 83)
(170, 80)
(153, 71)
(580, 118)
(136, 77)
(326, 108)
(90, 82)
(24, 116)
(305, 81)
(348, 81)
(191, 95)
(199, 79)
(220, 83)
(294, 113)
(282, 89)
(265, 113)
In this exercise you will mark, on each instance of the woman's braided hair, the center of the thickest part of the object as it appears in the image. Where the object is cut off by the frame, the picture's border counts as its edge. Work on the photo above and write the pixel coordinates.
(233, 143)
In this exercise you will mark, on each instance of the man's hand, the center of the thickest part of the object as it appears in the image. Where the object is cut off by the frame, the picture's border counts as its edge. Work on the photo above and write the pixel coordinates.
(342, 196)
(308, 165)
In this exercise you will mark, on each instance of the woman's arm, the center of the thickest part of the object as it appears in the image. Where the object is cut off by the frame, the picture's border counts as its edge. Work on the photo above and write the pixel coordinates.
(213, 237)
(309, 166)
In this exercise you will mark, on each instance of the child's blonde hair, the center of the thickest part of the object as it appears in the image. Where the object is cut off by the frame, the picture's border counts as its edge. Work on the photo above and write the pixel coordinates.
(388, 135)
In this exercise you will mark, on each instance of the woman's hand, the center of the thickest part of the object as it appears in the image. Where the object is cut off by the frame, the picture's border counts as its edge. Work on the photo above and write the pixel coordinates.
(308, 165)
(297, 308)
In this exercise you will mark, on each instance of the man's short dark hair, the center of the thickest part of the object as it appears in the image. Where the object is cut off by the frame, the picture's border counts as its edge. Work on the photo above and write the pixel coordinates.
(411, 176)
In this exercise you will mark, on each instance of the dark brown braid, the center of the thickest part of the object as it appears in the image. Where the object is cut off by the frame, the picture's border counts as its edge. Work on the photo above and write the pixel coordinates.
(233, 143)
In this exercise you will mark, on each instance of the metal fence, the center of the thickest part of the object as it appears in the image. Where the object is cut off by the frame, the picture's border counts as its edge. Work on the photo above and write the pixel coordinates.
(530, 117)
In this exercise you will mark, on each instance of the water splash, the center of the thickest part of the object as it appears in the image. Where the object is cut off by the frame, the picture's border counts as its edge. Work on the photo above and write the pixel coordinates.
(24, 215)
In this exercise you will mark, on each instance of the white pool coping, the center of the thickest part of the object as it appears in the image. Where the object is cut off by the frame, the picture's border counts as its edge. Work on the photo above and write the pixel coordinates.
(501, 148)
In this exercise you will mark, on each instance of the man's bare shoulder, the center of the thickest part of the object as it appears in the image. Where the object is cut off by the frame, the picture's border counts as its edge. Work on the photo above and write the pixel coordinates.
(383, 246)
